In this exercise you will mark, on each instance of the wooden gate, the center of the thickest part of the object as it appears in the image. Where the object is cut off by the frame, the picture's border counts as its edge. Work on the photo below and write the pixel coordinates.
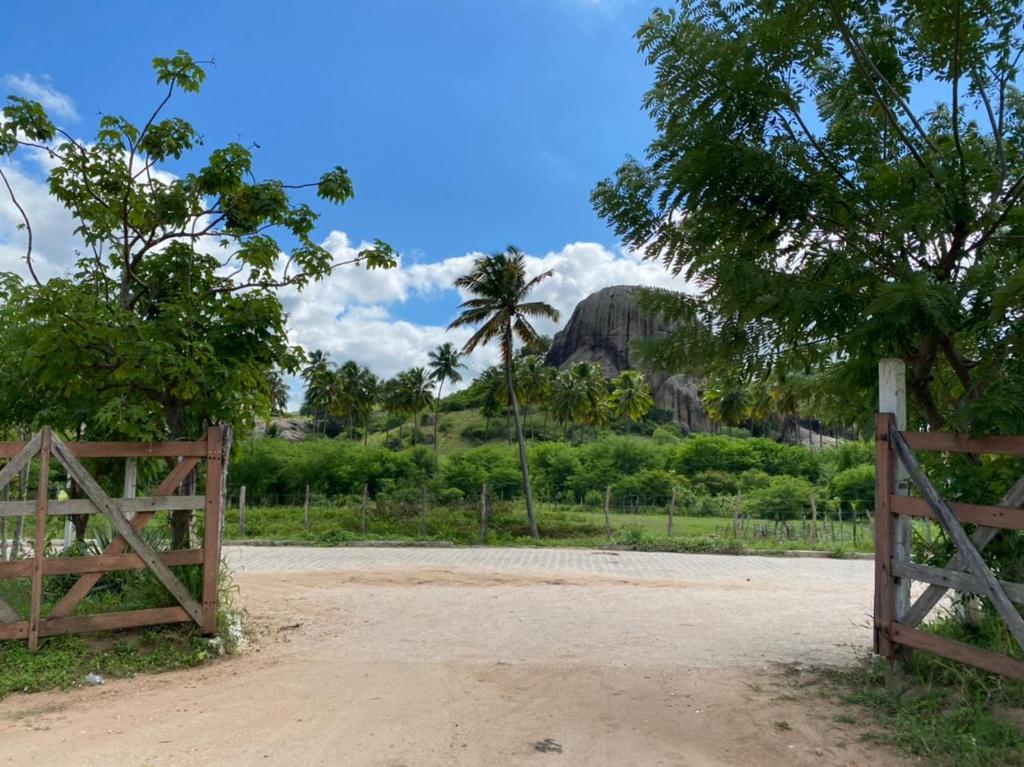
(896, 618)
(127, 516)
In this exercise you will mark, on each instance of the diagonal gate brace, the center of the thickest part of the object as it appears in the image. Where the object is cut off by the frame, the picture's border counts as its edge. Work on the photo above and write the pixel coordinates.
(972, 559)
(121, 524)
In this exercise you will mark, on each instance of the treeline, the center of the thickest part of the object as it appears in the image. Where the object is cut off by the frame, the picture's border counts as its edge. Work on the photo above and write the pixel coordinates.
(706, 472)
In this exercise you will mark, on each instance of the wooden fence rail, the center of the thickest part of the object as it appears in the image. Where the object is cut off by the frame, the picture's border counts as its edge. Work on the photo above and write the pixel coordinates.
(966, 572)
(128, 517)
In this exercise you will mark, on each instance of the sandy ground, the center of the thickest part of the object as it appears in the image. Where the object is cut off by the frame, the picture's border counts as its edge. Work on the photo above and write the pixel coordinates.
(427, 665)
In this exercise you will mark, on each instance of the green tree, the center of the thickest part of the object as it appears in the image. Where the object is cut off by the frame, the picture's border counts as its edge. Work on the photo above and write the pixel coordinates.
(278, 392)
(445, 364)
(319, 379)
(533, 382)
(171, 320)
(499, 288)
(725, 401)
(631, 398)
(845, 181)
(415, 393)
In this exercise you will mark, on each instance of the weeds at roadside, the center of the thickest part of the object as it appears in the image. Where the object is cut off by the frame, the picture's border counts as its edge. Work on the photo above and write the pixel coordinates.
(942, 711)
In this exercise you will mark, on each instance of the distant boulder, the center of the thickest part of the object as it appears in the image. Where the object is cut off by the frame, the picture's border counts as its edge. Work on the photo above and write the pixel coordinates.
(602, 329)
(283, 427)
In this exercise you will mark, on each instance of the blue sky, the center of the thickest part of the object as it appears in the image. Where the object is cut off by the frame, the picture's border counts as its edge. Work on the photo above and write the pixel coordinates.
(466, 125)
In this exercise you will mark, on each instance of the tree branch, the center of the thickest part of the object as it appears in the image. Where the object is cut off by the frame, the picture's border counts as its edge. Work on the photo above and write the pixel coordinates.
(28, 226)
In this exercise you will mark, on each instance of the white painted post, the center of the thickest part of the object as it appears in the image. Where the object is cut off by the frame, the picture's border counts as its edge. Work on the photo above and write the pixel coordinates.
(892, 398)
(131, 475)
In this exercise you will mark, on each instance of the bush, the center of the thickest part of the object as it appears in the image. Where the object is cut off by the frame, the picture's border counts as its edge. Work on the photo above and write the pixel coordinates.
(715, 482)
(783, 498)
(854, 485)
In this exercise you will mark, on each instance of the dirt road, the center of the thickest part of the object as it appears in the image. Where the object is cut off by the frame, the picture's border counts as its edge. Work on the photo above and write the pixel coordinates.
(487, 657)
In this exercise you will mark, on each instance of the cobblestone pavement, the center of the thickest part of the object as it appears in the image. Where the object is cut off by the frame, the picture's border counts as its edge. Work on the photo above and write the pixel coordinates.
(631, 564)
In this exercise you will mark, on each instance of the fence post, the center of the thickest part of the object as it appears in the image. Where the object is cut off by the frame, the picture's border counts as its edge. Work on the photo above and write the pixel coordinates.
(885, 480)
(892, 398)
(242, 511)
(483, 513)
(215, 459)
(671, 509)
(607, 519)
(423, 510)
(736, 515)
(305, 510)
(814, 519)
(362, 508)
(39, 547)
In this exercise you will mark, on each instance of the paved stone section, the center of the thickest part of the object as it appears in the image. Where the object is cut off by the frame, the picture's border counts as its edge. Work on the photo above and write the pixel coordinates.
(628, 564)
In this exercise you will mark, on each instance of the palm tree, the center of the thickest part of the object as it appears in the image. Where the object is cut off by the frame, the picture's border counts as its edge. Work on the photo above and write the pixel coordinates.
(726, 402)
(567, 398)
(390, 397)
(498, 305)
(319, 384)
(631, 398)
(533, 380)
(278, 391)
(445, 364)
(416, 393)
(590, 380)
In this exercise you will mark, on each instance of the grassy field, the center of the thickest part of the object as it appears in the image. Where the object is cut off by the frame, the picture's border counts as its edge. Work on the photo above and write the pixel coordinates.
(560, 525)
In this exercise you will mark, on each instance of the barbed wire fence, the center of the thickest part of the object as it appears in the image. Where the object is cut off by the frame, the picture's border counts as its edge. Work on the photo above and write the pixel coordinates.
(420, 513)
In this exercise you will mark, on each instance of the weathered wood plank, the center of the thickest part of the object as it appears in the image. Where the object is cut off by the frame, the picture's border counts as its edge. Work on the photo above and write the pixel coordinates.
(103, 563)
(963, 443)
(995, 662)
(967, 513)
(125, 529)
(39, 545)
(84, 585)
(85, 506)
(974, 563)
(112, 621)
(21, 568)
(19, 460)
(956, 579)
(121, 449)
(885, 482)
(18, 630)
(212, 526)
(982, 537)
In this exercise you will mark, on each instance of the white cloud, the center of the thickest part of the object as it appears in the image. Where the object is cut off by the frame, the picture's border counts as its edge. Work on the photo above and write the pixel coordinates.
(355, 313)
(350, 314)
(55, 102)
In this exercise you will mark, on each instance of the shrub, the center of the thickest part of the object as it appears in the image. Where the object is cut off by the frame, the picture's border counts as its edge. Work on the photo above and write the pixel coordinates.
(782, 498)
(854, 485)
(715, 482)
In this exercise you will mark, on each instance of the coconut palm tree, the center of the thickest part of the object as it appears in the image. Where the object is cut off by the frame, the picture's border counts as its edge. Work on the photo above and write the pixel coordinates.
(533, 381)
(444, 365)
(499, 309)
(319, 384)
(590, 381)
(416, 393)
(278, 390)
(631, 398)
(390, 397)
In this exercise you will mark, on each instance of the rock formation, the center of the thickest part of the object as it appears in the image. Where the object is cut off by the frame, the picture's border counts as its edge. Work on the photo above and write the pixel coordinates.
(603, 328)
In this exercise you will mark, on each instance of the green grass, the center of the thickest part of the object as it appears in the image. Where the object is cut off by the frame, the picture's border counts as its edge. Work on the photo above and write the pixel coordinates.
(941, 711)
(64, 661)
(560, 525)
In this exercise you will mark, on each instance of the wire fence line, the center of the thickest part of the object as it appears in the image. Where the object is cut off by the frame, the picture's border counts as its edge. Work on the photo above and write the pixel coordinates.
(425, 514)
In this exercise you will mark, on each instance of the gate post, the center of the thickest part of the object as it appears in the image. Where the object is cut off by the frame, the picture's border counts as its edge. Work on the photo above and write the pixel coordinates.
(885, 585)
(892, 398)
(211, 526)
